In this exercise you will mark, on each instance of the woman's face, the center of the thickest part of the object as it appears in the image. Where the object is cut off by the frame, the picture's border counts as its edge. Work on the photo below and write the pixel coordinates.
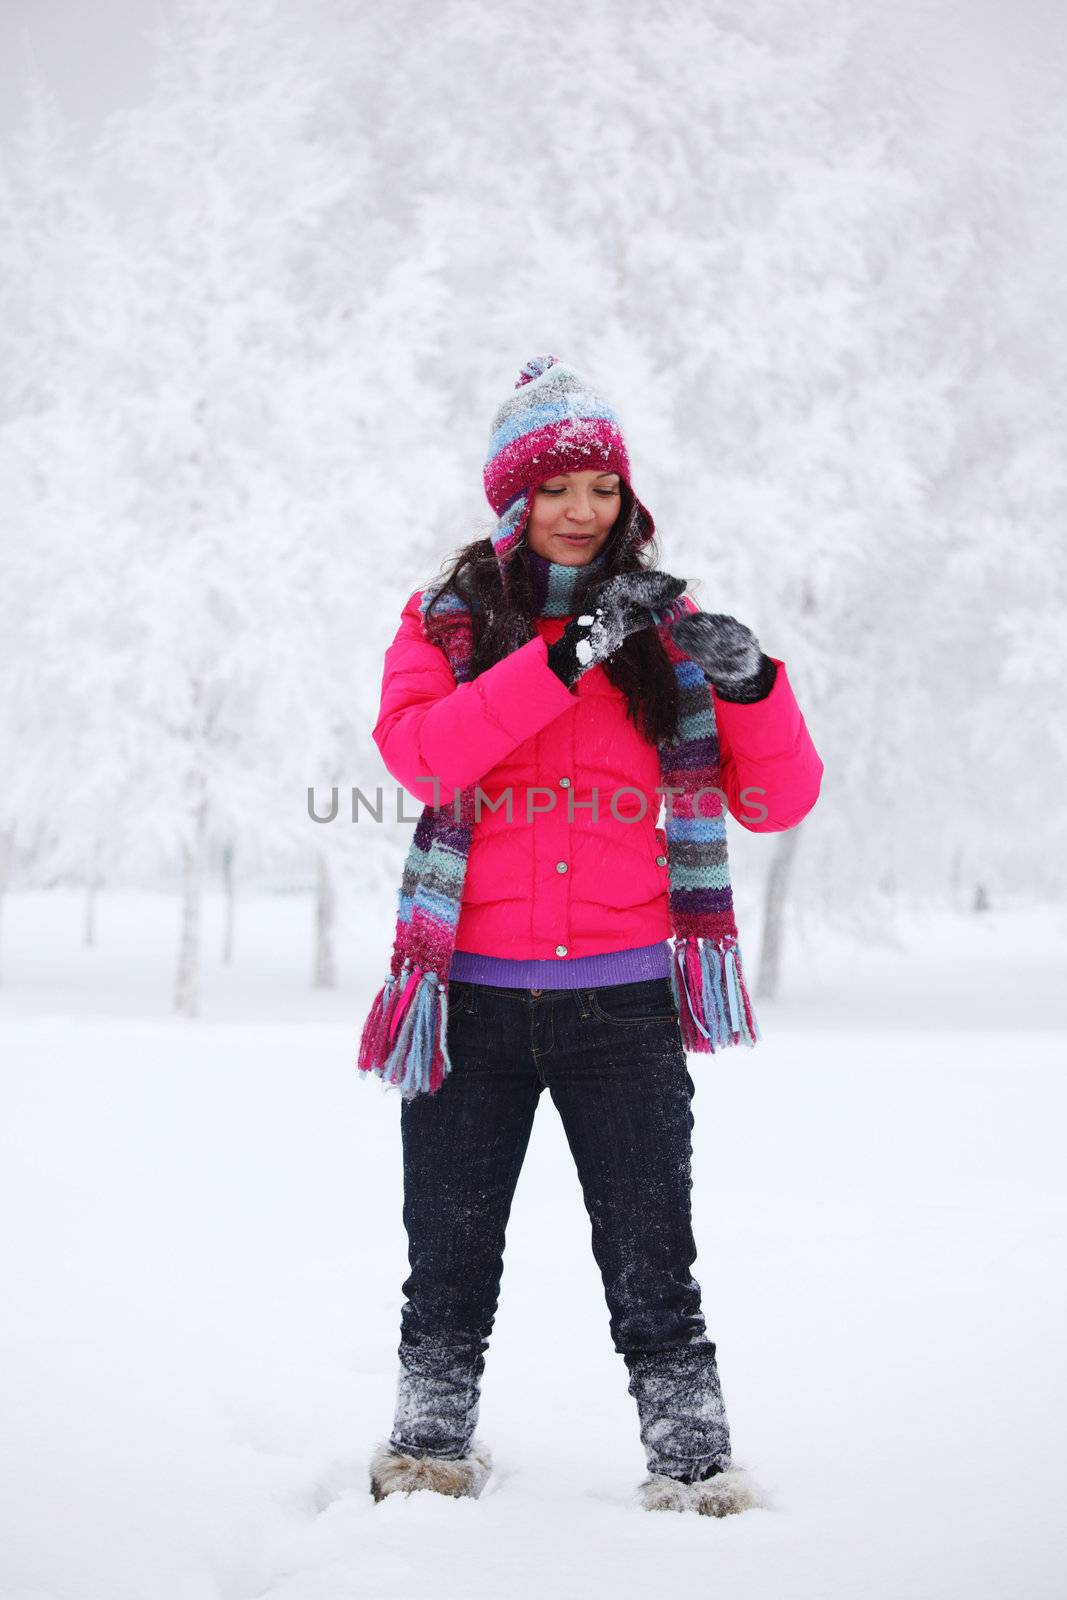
(572, 514)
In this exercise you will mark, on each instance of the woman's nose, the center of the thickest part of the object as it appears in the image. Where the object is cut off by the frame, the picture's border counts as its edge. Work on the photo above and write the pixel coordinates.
(581, 511)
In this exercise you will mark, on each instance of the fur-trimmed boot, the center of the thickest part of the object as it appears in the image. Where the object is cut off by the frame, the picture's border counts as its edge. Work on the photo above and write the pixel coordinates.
(392, 1471)
(725, 1492)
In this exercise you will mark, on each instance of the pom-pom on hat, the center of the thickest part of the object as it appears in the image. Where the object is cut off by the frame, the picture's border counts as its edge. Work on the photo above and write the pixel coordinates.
(553, 422)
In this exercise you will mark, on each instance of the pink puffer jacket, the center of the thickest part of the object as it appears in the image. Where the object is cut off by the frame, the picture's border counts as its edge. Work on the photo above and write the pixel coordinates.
(553, 881)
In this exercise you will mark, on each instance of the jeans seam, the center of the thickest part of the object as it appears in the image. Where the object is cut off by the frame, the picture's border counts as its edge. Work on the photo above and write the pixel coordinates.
(632, 1022)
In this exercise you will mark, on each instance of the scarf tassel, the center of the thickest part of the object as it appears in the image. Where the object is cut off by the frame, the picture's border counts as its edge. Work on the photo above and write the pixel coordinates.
(714, 1006)
(404, 1037)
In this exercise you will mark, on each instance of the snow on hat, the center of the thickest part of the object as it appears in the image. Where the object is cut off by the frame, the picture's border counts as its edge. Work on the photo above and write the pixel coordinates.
(553, 422)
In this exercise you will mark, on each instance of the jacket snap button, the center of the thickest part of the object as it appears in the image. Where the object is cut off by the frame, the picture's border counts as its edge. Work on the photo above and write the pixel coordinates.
(561, 949)
(661, 861)
(561, 866)
(564, 783)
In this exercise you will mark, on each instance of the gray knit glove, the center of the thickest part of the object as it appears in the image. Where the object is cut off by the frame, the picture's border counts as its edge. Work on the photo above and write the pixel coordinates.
(729, 654)
(610, 612)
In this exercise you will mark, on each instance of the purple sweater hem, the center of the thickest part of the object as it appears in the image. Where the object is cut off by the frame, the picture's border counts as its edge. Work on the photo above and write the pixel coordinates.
(584, 972)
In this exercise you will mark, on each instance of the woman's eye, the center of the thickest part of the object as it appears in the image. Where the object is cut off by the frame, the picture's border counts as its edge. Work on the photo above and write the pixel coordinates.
(544, 489)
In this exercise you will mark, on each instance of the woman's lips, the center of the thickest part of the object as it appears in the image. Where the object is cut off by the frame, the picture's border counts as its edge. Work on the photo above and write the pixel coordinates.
(577, 538)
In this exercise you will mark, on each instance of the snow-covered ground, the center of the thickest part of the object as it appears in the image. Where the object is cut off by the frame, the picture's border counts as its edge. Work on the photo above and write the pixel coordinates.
(203, 1249)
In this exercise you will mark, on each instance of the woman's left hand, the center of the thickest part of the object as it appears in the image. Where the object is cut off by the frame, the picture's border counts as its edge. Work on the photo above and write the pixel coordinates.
(729, 654)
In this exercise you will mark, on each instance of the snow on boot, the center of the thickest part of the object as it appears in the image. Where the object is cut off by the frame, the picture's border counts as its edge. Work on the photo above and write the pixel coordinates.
(392, 1471)
(725, 1492)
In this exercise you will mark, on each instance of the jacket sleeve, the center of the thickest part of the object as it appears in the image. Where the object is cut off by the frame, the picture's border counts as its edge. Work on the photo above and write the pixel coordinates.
(428, 726)
(771, 771)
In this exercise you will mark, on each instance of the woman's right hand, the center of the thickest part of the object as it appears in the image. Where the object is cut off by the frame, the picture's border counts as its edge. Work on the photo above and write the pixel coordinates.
(611, 611)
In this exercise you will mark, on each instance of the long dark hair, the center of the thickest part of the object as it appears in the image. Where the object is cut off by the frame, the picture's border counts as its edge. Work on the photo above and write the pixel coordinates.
(501, 617)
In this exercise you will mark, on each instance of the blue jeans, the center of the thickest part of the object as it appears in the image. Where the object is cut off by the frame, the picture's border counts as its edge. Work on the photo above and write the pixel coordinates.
(613, 1061)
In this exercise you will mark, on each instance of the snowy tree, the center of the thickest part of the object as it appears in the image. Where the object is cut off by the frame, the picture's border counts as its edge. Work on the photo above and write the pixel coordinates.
(220, 176)
(57, 476)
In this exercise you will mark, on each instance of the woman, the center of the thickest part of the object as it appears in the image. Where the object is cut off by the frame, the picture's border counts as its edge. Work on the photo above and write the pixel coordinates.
(542, 699)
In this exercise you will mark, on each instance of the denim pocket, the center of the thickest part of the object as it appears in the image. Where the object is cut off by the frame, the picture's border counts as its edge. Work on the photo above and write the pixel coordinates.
(630, 1004)
(460, 999)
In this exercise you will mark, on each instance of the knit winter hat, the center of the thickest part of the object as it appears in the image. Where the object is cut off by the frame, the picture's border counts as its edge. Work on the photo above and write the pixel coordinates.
(553, 422)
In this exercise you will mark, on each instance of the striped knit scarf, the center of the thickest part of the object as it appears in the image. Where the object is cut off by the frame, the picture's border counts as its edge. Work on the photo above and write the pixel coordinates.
(404, 1039)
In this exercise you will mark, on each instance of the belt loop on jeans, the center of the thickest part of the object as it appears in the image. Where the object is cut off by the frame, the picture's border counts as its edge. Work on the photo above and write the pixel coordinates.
(585, 1000)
